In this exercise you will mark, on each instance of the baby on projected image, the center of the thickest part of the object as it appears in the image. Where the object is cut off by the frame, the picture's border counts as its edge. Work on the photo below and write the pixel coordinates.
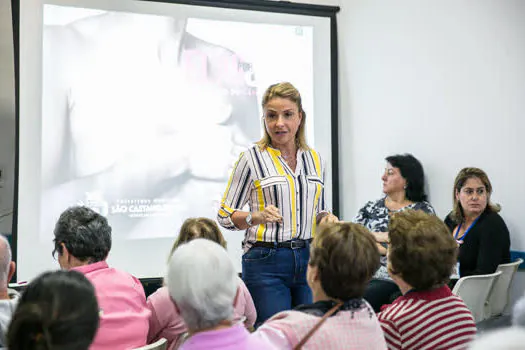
(141, 120)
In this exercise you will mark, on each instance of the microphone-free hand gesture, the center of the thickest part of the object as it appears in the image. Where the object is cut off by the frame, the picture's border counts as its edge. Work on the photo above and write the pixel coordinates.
(329, 218)
(269, 214)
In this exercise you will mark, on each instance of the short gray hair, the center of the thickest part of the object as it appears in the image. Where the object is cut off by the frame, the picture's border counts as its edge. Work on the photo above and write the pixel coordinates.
(5, 259)
(202, 281)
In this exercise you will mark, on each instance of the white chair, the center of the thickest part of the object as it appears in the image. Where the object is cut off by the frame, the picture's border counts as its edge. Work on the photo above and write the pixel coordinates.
(500, 295)
(161, 344)
(475, 291)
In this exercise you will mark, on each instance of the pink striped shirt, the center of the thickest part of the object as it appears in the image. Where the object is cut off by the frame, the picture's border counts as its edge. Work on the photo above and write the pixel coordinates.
(434, 319)
(123, 312)
(358, 329)
(166, 322)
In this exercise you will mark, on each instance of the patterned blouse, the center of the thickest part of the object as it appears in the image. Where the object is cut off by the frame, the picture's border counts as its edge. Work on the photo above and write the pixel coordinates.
(375, 216)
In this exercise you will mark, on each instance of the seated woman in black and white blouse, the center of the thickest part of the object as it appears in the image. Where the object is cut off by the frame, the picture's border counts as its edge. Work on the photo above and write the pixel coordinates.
(404, 188)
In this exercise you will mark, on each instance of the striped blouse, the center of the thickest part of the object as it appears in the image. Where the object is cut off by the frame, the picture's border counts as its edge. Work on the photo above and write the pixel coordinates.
(262, 178)
(432, 319)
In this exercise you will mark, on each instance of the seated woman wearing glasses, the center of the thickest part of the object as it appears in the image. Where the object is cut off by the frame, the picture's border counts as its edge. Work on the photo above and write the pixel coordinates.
(403, 188)
(483, 237)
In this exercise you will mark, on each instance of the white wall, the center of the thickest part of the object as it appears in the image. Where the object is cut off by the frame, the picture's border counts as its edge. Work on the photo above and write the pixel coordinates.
(7, 116)
(444, 80)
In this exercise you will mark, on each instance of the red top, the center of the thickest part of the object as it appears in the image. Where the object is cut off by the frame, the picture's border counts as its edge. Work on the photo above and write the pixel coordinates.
(433, 319)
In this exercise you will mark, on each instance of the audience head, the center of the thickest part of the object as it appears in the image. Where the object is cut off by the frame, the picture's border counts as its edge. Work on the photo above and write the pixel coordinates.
(203, 283)
(404, 173)
(7, 266)
(57, 311)
(422, 252)
(199, 228)
(295, 117)
(471, 196)
(343, 258)
(82, 236)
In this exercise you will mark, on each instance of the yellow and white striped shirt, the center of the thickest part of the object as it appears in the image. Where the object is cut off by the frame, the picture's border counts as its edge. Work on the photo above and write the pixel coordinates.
(262, 178)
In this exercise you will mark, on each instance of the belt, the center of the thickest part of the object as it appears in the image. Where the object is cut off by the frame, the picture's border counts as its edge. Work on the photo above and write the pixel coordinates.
(294, 244)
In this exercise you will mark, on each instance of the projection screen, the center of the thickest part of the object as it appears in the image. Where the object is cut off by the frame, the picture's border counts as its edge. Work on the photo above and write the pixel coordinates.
(140, 109)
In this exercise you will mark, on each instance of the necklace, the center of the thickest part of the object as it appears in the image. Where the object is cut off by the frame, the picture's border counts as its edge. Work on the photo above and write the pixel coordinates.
(395, 206)
(290, 160)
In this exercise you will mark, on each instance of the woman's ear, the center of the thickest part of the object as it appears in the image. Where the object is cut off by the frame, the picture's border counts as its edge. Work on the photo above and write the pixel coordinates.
(65, 252)
(313, 274)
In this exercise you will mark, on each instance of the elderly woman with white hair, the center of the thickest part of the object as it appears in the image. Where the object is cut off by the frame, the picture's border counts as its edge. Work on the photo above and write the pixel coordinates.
(203, 284)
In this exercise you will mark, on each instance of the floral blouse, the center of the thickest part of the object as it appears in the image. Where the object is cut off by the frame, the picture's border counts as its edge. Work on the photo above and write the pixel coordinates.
(375, 216)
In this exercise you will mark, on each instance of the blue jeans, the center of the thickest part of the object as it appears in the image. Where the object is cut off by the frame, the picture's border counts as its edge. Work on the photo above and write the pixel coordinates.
(276, 279)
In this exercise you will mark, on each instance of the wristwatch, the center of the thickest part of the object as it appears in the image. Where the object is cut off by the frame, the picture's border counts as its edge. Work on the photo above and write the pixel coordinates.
(249, 219)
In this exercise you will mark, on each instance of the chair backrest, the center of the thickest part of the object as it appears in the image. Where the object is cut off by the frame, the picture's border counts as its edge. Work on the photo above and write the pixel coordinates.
(500, 295)
(161, 344)
(475, 291)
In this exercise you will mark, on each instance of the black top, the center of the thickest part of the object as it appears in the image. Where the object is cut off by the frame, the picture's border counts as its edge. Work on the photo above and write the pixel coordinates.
(486, 245)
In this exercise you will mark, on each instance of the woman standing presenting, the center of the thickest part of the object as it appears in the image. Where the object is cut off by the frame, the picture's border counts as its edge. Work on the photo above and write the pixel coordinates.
(282, 181)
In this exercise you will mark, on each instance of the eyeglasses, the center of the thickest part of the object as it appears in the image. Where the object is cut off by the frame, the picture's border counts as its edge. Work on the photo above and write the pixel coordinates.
(470, 191)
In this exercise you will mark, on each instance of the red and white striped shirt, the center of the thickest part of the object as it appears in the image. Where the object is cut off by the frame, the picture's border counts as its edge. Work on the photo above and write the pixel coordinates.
(433, 319)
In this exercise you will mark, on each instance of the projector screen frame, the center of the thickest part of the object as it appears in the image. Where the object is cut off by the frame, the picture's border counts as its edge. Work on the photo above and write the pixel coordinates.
(284, 7)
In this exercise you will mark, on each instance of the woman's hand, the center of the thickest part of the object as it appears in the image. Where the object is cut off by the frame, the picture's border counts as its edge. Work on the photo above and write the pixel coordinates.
(328, 218)
(269, 214)
(381, 237)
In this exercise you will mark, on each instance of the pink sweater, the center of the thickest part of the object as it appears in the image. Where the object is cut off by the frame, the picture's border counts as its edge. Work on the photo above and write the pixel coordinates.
(232, 338)
(357, 329)
(123, 312)
(166, 322)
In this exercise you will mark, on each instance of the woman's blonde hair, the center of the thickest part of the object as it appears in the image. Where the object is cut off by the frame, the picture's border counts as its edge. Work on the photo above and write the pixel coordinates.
(288, 91)
(198, 228)
(462, 177)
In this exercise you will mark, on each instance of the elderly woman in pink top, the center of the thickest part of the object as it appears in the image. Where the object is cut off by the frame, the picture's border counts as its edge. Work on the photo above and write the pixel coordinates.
(343, 258)
(82, 243)
(166, 321)
(203, 284)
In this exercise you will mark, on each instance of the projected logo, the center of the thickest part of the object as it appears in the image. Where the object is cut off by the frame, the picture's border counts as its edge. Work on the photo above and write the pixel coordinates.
(96, 202)
(140, 208)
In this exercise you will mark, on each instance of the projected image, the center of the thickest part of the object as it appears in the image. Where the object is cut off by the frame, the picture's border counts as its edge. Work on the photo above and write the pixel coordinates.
(145, 115)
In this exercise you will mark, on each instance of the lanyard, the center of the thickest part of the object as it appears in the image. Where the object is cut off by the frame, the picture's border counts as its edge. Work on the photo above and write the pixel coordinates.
(466, 232)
